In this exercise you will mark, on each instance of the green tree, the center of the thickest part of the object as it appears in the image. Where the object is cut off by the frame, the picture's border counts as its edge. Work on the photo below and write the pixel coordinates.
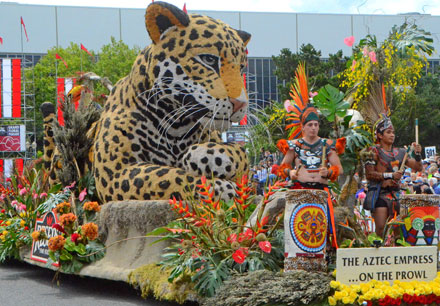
(318, 71)
(114, 61)
(423, 104)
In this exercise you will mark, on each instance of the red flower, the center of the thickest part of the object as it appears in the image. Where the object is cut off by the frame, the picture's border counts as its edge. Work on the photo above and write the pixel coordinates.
(265, 246)
(74, 237)
(58, 227)
(247, 235)
(232, 238)
(240, 255)
(26, 228)
(3, 211)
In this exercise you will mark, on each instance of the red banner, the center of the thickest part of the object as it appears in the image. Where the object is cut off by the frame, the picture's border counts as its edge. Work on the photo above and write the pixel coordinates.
(1, 88)
(60, 99)
(64, 85)
(16, 88)
(19, 165)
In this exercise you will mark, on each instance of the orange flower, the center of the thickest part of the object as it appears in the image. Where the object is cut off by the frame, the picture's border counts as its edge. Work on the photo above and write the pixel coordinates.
(92, 206)
(56, 243)
(63, 208)
(67, 219)
(283, 146)
(340, 145)
(90, 230)
(38, 235)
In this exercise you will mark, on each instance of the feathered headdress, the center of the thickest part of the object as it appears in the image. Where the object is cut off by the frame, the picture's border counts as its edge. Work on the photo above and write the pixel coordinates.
(378, 110)
(300, 112)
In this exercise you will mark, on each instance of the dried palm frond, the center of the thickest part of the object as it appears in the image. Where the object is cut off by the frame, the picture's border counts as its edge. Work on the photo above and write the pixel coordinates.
(72, 140)
(375, 105)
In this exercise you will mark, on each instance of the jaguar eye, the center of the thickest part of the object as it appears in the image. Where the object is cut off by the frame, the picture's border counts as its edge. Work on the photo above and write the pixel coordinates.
(210, 61)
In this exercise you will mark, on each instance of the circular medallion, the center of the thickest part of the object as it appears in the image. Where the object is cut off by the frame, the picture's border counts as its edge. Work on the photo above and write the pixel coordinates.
(308, 227)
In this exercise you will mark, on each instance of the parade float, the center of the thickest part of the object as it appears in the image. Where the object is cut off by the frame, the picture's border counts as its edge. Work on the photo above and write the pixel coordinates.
(142, 190)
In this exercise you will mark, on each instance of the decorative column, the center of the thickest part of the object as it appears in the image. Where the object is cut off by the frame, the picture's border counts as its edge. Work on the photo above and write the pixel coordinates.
(420, 213)
(305, 230)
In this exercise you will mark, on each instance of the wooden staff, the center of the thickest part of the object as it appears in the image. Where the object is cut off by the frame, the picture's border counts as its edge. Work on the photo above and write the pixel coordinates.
(408, 153)
(323, 163)
(417, 130)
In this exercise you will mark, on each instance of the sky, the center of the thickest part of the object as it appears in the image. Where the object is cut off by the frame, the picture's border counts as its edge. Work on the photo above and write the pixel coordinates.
(303, 6)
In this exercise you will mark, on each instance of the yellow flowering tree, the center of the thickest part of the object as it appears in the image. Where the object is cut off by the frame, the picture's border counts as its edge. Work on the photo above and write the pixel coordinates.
(397, 63)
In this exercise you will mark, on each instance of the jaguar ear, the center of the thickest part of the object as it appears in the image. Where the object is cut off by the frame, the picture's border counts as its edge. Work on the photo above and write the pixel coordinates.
(245, 36)
(161, 16)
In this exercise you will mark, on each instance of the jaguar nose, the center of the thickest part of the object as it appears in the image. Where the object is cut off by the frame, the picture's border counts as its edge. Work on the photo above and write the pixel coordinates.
(237, 104)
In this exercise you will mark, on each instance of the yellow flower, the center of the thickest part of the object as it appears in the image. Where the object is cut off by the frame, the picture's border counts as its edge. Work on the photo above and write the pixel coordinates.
(22, 214)
(335, 284)
(5, 233)
(347, 300)
(22, 223)
(332, 301)
(338, 295)
(334, 273)
(8, 222)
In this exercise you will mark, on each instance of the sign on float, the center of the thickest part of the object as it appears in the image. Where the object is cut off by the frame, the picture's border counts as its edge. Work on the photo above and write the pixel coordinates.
(354, 266)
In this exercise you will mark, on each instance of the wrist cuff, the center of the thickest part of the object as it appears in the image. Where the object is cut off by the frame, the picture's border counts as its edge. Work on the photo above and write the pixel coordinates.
(387, 175)
(333, 173)
(282, 170)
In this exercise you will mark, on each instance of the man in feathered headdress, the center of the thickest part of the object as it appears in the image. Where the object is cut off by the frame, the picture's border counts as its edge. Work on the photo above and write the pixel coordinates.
(314, 159)
(383, 169)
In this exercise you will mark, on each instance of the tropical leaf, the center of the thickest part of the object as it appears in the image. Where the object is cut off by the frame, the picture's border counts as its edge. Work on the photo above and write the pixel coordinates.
(331, 103)
(407, 36)
(208, 280)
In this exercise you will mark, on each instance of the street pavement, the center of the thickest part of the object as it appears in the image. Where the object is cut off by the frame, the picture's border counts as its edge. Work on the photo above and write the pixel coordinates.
(27, 285)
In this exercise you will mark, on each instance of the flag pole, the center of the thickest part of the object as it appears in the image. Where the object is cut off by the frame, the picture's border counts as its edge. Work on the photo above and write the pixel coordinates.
(56, 83)
(21, 40)
(81, 61)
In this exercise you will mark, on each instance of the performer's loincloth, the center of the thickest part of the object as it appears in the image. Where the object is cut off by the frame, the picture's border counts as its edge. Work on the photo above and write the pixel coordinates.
(308, 185)
(389, 197)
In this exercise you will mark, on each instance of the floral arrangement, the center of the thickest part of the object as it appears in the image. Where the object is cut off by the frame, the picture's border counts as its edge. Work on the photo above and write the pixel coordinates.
(78, 244)
(214, 238)
(397, 62)
(14, 233)
(382, 293)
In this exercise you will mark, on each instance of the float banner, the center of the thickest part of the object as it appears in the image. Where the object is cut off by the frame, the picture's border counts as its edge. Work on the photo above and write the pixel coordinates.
(12, 138)
(360, 265)
(40, 249)
(10, 88)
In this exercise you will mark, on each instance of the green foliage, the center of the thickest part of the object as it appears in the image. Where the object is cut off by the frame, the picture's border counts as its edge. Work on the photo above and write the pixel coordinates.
(331, 102)
(215, 238)
(411, 36)
(54, 199)
(73, 256)
(114, 61)
(13, 235)
(319, 72)
(424, 104)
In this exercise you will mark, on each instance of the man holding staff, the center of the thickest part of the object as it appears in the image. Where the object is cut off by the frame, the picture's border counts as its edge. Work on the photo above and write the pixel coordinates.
(315, 159)
(309, 161)
(385, 168)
